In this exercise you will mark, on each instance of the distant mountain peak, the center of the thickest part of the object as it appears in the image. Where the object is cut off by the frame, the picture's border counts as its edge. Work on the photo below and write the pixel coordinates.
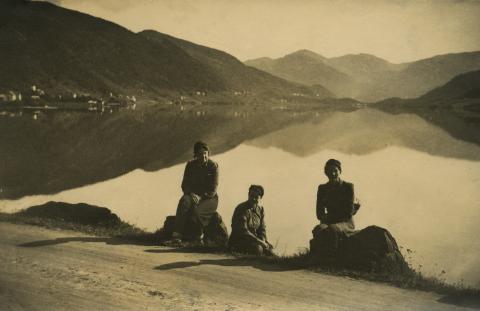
(261, 59)
(361, 56)
(307, 53)
(232, 72)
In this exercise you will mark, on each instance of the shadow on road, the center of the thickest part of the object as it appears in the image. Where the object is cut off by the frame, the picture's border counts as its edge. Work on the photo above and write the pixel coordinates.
(226, 262)
(462, 300)
(111, 241)
(192, 249)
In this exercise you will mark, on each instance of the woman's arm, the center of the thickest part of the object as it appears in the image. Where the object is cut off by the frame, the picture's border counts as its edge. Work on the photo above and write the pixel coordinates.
(262, 230)
(186, 181)
(347, 202)
(212, 183)
(321, 204)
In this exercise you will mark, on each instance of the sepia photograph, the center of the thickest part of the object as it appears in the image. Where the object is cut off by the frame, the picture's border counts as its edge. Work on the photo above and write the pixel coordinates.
(239, 155)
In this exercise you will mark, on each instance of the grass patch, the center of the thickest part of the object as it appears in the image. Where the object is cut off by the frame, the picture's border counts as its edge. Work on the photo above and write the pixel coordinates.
(84, 218)
(408, 279)
(120, 229)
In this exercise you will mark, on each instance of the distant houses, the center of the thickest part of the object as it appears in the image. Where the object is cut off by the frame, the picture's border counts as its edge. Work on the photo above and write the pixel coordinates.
(37, 91)
(36, 101)
(241, 93)
(10, 96)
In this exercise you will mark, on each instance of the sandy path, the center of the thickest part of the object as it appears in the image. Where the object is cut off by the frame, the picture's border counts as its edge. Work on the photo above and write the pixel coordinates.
(42, 269)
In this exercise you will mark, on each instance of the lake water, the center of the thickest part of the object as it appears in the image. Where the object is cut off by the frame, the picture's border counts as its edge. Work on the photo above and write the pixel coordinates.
(411, 177)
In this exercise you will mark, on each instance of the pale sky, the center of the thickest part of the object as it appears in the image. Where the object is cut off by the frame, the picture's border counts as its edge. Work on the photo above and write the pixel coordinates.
(396, 30)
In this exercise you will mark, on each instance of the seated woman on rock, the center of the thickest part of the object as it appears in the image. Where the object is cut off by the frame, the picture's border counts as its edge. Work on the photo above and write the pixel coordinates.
(199, 201)
(248, 225)
(335, 209)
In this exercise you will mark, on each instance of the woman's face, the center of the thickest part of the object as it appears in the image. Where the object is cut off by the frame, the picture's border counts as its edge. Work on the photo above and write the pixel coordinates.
(254, 197)
(333, 173)
(202, 156)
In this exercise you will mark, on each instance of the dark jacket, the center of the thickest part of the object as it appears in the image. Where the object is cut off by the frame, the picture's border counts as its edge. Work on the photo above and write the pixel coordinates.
(248, 219)
(200, 179)
(336, 201)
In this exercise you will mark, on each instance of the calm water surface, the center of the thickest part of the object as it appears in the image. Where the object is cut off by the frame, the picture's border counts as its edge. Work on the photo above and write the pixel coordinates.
(412, 178)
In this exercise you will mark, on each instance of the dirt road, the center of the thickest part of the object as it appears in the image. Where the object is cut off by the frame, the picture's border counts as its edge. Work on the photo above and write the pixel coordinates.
(42, 269)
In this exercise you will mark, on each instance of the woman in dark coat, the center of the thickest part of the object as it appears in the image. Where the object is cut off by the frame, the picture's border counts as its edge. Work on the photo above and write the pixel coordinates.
(335, 208)
(248, 225)
(199, 201)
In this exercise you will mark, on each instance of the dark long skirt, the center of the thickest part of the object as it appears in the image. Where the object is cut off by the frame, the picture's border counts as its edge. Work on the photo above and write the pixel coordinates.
(328, 237)
(201, 213)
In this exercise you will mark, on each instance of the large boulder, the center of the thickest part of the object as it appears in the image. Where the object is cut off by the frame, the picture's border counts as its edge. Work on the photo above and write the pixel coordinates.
(168, 227)
(373, 248)
(81, 213)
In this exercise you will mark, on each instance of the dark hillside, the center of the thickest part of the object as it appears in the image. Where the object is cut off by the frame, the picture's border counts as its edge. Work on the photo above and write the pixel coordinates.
(466, 85)
(64, 50)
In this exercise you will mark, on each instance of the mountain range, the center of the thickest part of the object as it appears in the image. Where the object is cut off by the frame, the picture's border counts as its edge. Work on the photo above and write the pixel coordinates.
(367, 77)
(64, 50)
(232, 72)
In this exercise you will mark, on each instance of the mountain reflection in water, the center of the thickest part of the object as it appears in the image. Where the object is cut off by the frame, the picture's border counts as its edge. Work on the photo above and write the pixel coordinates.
(412, 178)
